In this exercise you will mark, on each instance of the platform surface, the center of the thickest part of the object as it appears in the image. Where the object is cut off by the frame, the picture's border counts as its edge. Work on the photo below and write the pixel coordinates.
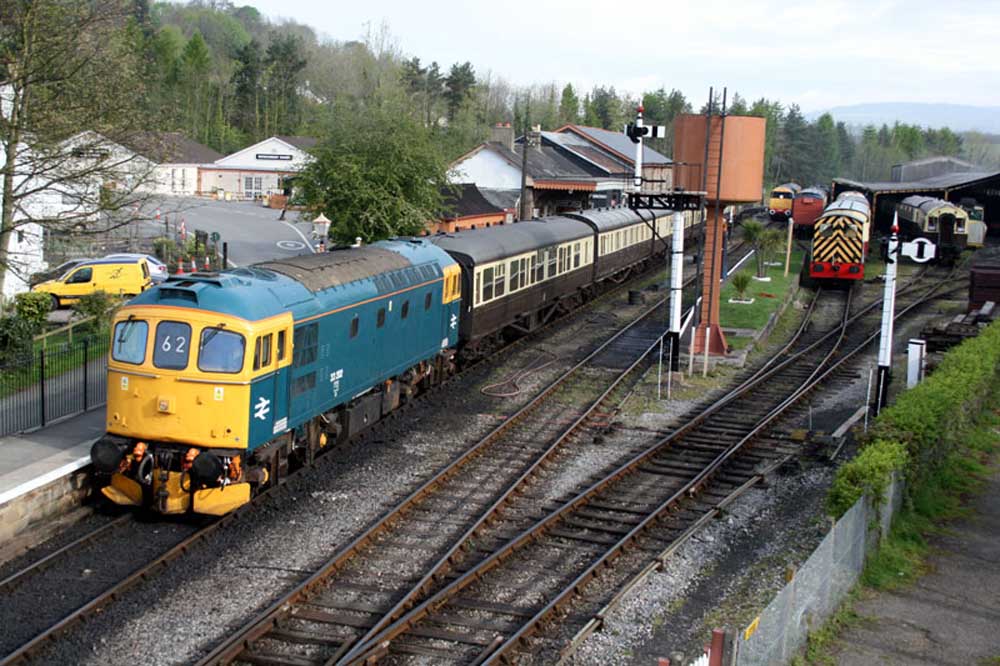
(31, 460)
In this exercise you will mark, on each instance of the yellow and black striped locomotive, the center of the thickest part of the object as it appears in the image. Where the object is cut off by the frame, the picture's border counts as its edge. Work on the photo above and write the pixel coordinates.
(840, 240)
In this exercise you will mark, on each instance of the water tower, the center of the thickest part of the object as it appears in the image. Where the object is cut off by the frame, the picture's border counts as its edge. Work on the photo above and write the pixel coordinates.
(724, 157)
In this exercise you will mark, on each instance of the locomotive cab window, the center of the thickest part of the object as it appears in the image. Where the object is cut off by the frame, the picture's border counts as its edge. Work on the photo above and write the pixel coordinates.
(428, 298)
(380, 318)
(354, 326)
(405, 310)
(281, 346)
(170, 348)
(221, 351)
(130, 341)
(262, 352)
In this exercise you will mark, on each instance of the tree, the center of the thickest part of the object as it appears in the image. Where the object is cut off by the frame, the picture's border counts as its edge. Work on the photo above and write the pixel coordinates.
(796, 146)
(72, 88)
(247, 89)
(605, 108)
(458, 87)
(827, 149)
(569, 106)
(762, 241)
(284, 63)
(375, 175)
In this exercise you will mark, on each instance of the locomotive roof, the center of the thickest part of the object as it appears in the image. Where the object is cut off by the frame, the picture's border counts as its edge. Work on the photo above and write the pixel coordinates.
(812, 192)
(481, 246)
(848, 202)
(306, 285)
(609, 219)
(928, 204)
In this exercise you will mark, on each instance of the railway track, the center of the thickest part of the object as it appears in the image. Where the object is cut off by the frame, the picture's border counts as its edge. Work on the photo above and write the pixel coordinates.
(654, 502)
(153, 551)
(331, 617)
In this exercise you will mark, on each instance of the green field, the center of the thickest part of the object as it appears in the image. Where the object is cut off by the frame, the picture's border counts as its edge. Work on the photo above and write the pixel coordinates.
(767, 296)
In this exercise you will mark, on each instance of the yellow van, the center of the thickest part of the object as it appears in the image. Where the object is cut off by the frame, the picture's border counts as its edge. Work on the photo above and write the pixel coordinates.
(118, 277)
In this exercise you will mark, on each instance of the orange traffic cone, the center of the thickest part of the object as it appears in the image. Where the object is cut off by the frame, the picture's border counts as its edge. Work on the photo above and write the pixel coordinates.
(208, 266)
(180, 266)
(194, 265)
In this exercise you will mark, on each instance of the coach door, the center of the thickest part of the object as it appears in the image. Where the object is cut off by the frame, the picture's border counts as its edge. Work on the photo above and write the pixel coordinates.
(946, 229)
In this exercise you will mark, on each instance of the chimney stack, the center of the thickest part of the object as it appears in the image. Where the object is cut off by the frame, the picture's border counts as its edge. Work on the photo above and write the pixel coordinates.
(503, 134)
(535, 136)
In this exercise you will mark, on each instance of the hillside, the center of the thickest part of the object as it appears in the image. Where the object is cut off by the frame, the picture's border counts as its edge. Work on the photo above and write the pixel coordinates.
(958, 117)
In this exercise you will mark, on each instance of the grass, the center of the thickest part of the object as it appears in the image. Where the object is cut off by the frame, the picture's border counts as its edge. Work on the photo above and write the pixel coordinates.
(767, 296)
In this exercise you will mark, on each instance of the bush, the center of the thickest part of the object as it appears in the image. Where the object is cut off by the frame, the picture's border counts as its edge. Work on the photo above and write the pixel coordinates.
(928, 422)
(33, 308)
(99, 305)
(15, 340)
(165, 249)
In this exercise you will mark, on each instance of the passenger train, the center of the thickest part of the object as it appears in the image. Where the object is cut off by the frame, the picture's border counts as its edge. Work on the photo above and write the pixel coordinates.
(840, 241)
(220, 383)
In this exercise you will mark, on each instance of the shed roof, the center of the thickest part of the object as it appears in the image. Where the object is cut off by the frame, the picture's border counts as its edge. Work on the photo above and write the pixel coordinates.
(479, 246)
(945, 181)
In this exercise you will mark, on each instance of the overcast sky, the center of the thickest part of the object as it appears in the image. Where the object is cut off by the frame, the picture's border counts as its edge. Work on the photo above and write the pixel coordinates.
(838, 52)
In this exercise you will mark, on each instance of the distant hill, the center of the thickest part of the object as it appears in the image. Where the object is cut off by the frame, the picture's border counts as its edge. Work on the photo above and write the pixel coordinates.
(958, 117)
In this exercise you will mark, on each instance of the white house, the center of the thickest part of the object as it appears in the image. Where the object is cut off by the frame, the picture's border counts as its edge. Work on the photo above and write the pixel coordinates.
(177, 162)
(257, 170)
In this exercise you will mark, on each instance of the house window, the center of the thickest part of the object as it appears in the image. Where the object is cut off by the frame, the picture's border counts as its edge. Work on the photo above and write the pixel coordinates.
(20, 236)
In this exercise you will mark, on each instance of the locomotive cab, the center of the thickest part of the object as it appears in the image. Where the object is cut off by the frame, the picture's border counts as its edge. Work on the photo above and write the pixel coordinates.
(188, 391)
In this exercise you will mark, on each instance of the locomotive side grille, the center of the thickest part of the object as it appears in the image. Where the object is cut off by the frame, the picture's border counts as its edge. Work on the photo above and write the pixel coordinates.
(838, 240)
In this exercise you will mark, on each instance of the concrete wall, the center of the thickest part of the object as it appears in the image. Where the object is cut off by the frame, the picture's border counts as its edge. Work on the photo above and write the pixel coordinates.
(41, 505)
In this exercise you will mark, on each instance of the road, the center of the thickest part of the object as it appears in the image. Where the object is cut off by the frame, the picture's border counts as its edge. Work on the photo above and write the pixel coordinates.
(254, 233)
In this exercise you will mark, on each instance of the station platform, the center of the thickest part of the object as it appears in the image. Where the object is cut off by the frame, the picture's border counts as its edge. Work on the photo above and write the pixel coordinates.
(44, 473)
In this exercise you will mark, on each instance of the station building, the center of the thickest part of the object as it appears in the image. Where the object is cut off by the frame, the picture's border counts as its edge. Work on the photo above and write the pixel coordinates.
(256, 171)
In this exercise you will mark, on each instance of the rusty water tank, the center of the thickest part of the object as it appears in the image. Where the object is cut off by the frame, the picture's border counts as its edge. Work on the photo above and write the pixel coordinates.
(742, 156)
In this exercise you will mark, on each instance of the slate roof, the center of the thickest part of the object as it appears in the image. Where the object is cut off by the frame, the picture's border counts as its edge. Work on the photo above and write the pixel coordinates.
(620, 145)
(170, 148)
(468, 201)
(300, 142)
(548, 162)
(587, 151)
(501, 198)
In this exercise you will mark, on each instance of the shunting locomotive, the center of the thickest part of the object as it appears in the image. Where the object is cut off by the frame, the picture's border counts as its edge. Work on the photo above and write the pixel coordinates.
(840, 240)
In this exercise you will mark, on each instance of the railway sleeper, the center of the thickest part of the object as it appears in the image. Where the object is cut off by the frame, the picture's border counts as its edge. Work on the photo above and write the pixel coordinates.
(274, 659)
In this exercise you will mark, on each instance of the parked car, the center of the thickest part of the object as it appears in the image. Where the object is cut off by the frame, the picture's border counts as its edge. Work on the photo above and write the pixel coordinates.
(119, 277)
(56, 272)
(157, 269)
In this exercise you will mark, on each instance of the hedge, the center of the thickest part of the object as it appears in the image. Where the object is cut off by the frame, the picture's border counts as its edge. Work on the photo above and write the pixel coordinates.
(925, 424)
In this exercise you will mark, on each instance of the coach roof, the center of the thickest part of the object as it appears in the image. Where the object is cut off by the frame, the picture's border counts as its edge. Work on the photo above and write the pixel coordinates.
(612, 218)
(480, 246)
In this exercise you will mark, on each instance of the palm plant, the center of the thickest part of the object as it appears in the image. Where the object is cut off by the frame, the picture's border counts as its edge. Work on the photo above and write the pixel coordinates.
(741, 282)
(771, 241)
(753, 233)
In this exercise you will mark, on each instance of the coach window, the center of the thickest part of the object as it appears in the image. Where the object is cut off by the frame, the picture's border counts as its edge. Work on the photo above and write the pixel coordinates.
(170, 349)
(380, 318)
(537, 267)
(499, 284)
(515, 274)
(355, 322)
(262, 352)
(488, 284)
(576, 255)
(551, 254)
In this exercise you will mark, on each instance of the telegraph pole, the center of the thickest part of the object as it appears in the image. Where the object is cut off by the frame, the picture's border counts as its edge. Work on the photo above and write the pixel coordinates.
(888, 314)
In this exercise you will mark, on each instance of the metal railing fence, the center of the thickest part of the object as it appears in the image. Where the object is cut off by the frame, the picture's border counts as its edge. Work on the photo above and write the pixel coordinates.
(52, 383)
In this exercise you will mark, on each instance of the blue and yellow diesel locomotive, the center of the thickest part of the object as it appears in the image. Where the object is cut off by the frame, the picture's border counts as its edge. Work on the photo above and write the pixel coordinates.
(215, 381)
(219, 383)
